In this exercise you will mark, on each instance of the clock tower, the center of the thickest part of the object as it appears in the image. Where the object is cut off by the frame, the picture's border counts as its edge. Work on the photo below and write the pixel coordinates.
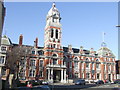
(53, 28)
(54, 66)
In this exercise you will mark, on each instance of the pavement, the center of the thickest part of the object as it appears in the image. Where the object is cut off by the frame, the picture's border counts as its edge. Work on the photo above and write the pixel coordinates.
(72, 86)
(62, 84)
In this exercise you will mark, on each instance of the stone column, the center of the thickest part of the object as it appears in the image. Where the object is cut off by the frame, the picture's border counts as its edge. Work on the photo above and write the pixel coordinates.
(65, 76)
(61, 75)
(48, 74)
(52, 74)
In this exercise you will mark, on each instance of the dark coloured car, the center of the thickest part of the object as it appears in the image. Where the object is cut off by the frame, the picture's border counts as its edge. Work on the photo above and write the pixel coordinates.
(80, 82)
(107, 81)
(99, 82)
(34, 82)
(117, 81)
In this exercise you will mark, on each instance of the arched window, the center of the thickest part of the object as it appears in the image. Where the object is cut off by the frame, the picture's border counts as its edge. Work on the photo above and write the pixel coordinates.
(33, 52)
(40, 52)
(87, 59)
(76, 58)
(54, 55)
(97, 60)
(52, 33)
(56, 33)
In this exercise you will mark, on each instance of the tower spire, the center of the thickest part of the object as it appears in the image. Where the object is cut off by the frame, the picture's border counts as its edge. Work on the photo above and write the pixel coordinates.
(103, 41)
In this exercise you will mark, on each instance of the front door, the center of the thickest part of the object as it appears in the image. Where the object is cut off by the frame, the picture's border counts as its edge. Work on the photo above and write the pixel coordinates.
(56, 76)
(109, 77)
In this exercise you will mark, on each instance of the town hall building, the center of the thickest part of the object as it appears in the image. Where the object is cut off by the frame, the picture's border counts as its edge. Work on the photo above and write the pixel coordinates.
(56, 63)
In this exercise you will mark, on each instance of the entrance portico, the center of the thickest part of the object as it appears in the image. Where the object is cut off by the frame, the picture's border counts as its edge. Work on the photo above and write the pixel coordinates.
(56, 75)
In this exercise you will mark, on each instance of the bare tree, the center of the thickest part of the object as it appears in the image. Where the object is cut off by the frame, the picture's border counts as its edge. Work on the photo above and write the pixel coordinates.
(14, 56)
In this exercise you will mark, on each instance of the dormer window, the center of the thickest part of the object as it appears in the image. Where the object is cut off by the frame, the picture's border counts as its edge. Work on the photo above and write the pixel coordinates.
(40, 52)
(3, 48)
(76, 58)
(97, 60)
(33, 52)
(87, 59)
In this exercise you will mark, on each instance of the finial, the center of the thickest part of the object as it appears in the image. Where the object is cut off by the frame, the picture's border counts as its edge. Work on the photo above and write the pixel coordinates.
(53, 5)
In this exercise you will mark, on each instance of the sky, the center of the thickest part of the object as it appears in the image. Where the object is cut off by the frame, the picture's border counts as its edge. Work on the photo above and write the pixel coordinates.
(82, 23)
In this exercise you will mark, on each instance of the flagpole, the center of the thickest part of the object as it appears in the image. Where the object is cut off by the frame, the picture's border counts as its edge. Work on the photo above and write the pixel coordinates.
(103, 37)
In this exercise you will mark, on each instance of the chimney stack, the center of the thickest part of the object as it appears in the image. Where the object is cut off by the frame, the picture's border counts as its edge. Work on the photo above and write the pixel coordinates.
(20, 40)
(36, 43)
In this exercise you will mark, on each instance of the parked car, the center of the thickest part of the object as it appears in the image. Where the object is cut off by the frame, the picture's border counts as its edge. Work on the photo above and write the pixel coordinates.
(117, 81)
(80, 82)
(34, 82)
(44, 82)
(99, 82)
(107, 81)
(38, 82)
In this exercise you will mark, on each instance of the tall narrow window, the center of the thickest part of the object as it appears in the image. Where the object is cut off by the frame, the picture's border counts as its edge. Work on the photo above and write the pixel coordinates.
(97, 65)
(54, 61)
(32, 63)
(2, 60)
(32, 73)
(56, 33)
(76, 65)
(41, 63)
(51, 33)
(87, 75)
(87, 65)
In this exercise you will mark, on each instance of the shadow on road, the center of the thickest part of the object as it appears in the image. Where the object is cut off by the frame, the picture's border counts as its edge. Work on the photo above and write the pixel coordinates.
(71, 87)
